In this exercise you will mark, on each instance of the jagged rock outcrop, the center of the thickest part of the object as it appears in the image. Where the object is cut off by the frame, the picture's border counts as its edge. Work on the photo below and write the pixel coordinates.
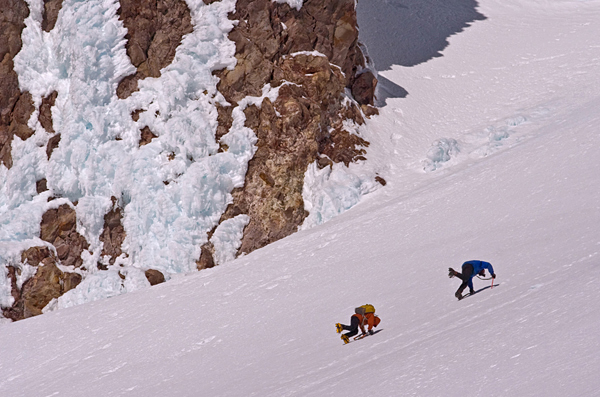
(50, 14)
(47, 283)
(155, 29)
(52, 144)
(305, 124)
(59, 228)
(15, 107)
(275, 45)
(363, 89)
(267, 31)
(113, 233)
(45, 115)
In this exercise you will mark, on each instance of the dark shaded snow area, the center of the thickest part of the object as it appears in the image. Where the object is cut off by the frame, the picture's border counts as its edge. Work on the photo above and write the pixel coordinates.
(410, 32)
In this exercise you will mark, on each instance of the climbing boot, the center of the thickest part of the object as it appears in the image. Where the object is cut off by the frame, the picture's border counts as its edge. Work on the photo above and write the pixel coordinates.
(459, 292)
(345, 339)
(451, 272)
(339, 328)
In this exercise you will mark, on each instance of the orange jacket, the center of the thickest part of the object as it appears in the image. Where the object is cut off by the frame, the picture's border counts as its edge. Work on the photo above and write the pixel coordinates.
(368, 319)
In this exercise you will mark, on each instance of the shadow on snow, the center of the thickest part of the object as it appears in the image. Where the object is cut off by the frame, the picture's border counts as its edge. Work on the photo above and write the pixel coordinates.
(410, 32)
(479, 290)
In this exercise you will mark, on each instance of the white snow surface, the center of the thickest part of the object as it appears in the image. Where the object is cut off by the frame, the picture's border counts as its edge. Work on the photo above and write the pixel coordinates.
(491, 156)
(297, 4)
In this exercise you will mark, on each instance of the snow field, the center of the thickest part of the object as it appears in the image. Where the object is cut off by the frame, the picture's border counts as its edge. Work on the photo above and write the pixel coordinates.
(263, 324)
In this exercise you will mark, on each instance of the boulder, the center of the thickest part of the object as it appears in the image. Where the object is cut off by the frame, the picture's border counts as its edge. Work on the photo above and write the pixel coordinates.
(154, 276)
(206, 260)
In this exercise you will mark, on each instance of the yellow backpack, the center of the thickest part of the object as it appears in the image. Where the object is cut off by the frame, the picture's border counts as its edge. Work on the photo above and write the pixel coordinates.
(364, 309)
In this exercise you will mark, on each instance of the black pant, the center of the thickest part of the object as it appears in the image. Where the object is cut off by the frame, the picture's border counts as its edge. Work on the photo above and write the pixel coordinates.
(467, 272)
(353, 327)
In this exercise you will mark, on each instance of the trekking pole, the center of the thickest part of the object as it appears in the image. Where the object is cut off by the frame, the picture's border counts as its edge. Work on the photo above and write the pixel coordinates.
(492, 283)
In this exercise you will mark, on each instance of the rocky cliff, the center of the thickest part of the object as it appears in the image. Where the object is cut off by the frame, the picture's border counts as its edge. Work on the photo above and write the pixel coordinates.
(310, 56)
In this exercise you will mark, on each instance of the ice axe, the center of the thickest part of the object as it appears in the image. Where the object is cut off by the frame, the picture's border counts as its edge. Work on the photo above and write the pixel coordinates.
(491, 278)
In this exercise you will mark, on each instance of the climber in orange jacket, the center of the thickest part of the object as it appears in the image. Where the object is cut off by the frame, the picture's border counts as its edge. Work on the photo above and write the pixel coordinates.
(364, 316)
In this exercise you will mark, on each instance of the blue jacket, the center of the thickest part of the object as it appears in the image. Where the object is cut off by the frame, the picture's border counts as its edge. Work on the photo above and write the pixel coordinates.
(477, 267)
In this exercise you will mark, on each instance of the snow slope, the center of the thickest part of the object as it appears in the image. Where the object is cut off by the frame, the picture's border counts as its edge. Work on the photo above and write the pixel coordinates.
(492, 155)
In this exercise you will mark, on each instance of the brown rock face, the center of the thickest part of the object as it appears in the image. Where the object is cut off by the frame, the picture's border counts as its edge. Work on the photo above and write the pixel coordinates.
(206, 260)
(15, 107)
(146, 136)
(59, 228)
(266, 31)
(305, 123)
(52, 144)
(21, 113)
(35, 255)
(155, 29)
(363, 88)
(45, 116)
(41, 185)
(113, 234)
(47, 283)
(50, 15)
(309, 125)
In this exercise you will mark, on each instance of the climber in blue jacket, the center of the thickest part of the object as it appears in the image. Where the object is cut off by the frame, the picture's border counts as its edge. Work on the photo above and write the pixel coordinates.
(470, 269)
